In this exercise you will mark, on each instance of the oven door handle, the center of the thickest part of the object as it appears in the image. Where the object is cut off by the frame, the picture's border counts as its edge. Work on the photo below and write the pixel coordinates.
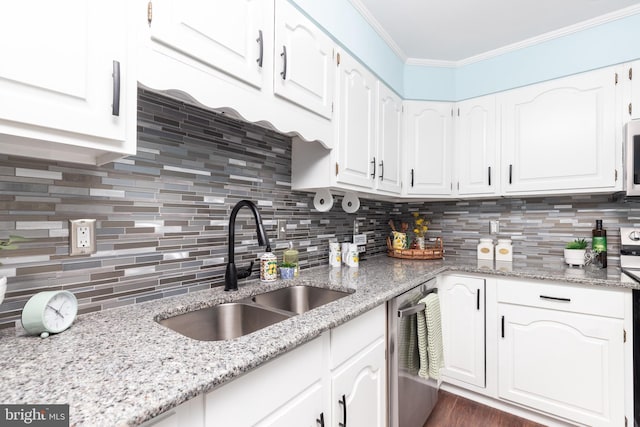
(411, 310)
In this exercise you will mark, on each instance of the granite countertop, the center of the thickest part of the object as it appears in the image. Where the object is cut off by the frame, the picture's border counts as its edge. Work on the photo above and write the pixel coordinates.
(120, 367)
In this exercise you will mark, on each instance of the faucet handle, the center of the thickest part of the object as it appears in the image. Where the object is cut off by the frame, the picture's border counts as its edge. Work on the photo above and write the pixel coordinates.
(245, 272)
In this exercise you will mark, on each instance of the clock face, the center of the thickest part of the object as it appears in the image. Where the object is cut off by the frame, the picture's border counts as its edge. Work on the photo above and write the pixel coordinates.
(59, 312)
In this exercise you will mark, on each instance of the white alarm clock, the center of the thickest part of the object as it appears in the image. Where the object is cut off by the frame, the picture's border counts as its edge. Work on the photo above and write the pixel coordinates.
(49, 312)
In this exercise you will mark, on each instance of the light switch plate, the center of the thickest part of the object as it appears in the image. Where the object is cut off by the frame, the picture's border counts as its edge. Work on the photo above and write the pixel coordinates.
(82, 236)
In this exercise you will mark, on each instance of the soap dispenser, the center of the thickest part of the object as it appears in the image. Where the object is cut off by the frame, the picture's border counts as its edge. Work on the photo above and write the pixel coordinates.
(290, 256)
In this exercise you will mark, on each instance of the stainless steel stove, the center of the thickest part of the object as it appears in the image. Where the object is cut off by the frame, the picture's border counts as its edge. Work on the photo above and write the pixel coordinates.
(630, 266)
(630, 254)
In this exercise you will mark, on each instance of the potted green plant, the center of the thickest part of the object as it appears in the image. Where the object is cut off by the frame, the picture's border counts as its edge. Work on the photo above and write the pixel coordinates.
(287, 270)
(10, 243)
(575, 251)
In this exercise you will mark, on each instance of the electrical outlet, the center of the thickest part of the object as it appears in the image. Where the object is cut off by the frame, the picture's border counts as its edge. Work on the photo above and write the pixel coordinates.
(494, 227)
(82, 236)
(360, 239)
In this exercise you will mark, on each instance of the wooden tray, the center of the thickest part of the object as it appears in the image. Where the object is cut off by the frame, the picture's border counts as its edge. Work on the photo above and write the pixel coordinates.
(433, 251)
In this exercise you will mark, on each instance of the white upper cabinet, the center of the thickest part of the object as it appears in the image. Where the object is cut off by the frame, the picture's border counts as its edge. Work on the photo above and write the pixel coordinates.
(67, 81)
(560, 136)
(389, 134)
(229, 55)
(303, 69)
(356, 124)
(234, 41)
(428, 143)
(477, 153)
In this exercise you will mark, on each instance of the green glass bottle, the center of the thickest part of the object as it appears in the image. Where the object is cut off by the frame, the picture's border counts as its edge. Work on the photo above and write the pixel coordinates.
(599, 244)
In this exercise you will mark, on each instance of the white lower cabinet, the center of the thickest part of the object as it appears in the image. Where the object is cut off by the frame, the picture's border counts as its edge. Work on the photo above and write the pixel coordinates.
(462, 307)
(303, 388)
(359, 378)
(284, 392)
(561, 350)
(188, 414)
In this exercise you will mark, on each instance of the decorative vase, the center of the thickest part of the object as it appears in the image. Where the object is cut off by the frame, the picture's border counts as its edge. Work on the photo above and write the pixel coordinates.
(287, 273)
(574, 256)
(420, 242)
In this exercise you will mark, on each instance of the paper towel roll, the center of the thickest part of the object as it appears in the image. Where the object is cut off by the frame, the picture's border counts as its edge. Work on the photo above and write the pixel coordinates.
(350, 203)
(323, 201)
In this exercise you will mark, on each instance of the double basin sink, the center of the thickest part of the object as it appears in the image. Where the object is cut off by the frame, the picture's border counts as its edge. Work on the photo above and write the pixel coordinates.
(232, 320)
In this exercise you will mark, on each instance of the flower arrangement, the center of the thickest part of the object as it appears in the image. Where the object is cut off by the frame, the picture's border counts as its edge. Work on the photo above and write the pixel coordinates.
(419, 225)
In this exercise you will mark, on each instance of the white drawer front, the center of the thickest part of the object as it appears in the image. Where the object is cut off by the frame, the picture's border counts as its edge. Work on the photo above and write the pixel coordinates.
(353, 336)
(563, 296)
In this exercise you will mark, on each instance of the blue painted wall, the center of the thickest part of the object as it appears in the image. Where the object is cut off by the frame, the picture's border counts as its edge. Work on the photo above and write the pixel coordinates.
(607, 44)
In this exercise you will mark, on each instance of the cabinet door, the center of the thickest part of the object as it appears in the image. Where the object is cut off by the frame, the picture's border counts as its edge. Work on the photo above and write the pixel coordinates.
(305, 410)
(356, 124)
(303, 71)
(428, 130)
(286, 391)
(56, 77)
(189, 413)
(359, 389)
(566, 364)
(560, 136)
(229, 35)
(476, 155)
(462, 302)
(389, 144)
(634, 108)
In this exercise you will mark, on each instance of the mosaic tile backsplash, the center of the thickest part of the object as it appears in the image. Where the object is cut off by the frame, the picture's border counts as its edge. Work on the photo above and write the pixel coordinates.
(162, 215)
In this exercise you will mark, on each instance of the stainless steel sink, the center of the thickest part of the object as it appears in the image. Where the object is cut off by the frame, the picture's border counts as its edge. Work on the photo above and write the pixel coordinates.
(224, 321)
(298, 299)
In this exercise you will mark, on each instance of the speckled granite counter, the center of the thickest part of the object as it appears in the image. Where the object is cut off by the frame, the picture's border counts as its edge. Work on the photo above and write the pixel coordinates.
(120, 367)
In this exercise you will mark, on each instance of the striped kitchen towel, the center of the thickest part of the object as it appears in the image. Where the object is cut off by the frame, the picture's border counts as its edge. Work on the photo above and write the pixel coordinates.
(430, 338)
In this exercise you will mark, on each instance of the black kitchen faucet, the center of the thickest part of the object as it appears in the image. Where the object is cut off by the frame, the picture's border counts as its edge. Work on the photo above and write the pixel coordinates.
(232, 274)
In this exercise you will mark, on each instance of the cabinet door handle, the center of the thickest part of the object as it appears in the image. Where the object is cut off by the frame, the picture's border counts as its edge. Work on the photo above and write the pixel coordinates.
(115, 107)
(412, 177)
(489, 173)
(320, 421)
(502, 326)
(381, 170)
(478, 299)
(510, 174)
(343, 402)
(283, 73)
(373, 162)
(260, 41)
(555, 298)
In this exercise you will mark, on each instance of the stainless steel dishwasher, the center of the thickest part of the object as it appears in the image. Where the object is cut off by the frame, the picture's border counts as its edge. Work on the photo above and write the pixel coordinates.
(411, 398)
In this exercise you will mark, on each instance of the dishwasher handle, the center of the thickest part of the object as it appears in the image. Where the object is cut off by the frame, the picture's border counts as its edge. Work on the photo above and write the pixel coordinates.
(411, 310)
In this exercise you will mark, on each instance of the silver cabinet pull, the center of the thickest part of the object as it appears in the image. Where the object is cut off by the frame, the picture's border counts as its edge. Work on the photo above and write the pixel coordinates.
(283, 73)
(115, 107)
(411, 310)
(260, 42)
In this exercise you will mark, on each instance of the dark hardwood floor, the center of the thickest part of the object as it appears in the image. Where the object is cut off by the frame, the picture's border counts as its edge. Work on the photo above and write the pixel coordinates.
(456, 411)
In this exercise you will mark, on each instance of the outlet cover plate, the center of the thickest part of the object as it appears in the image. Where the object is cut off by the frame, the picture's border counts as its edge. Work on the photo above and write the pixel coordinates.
(360, 239)
(82, 236)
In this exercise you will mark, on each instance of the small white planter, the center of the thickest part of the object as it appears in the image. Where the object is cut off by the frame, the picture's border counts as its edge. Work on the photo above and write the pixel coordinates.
(574, 256)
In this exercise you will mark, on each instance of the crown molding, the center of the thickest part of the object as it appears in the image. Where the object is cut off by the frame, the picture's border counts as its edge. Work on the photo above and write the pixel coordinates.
(378, 28)
(551, 35)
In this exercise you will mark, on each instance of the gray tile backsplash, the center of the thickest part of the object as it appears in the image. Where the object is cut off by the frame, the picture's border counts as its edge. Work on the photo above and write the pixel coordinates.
(162, 215)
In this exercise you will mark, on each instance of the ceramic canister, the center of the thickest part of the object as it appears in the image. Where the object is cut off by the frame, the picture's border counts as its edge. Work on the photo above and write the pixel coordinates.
(353, 257)
(335, 256)
(268, 267)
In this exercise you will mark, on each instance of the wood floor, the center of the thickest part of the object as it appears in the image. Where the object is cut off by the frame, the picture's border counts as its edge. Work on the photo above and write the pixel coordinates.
(455, 411)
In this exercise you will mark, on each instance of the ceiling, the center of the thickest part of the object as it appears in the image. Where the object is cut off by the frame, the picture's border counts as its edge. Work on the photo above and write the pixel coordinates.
(459, 30)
